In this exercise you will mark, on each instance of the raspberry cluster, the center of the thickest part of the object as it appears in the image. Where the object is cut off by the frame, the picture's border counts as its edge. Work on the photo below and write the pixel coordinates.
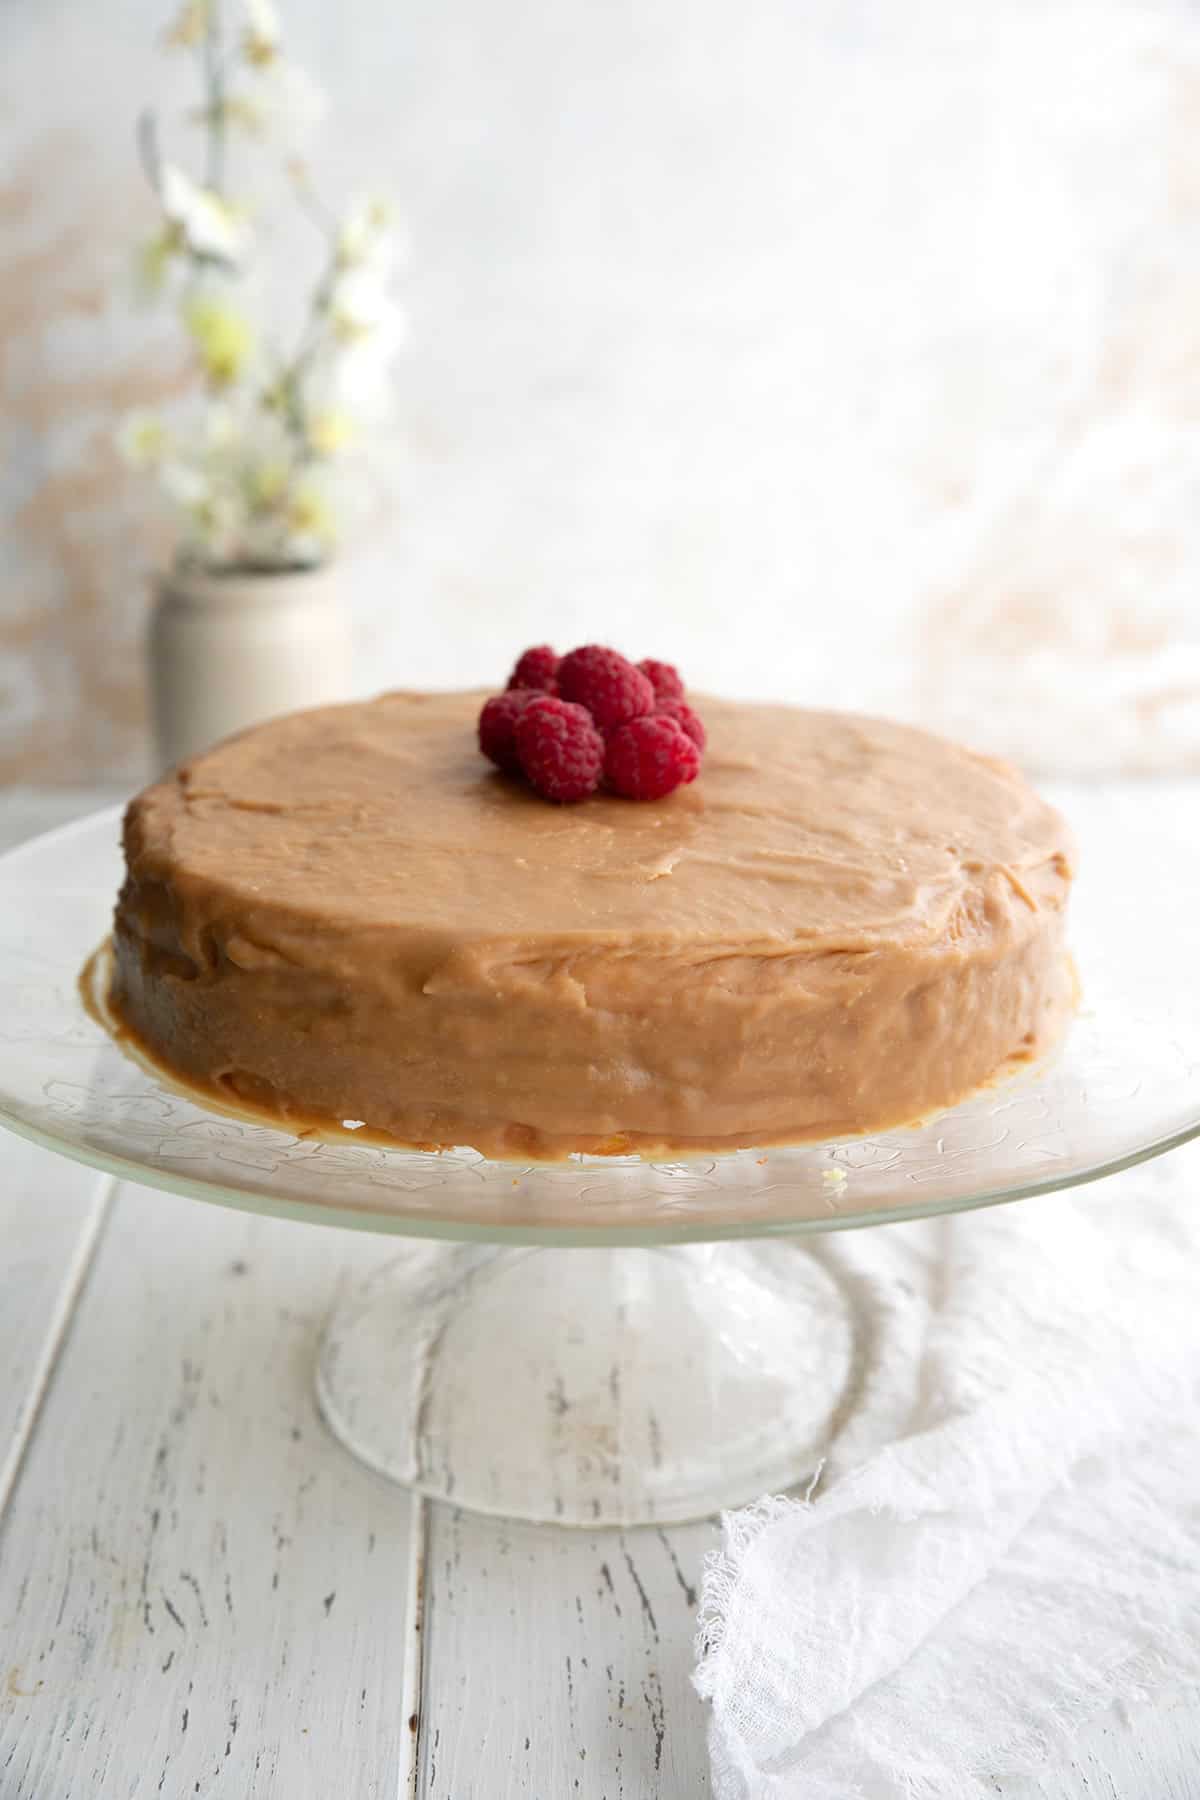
(570, 723)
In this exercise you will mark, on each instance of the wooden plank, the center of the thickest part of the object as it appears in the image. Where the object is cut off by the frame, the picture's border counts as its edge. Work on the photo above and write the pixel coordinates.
(412, 1699)
(200, 1592)
(558, 1663)
(51, 1212)
(1148, 1752)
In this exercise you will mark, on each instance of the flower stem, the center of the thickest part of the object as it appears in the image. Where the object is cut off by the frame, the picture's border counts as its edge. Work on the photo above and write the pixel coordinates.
(291, 379)
(214, 81)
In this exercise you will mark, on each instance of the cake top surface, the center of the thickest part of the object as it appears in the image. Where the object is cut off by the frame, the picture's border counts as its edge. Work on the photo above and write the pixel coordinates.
(811, 828)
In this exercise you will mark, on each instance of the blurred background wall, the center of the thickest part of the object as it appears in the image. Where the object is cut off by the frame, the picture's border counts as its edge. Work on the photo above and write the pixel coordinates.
(843, 350)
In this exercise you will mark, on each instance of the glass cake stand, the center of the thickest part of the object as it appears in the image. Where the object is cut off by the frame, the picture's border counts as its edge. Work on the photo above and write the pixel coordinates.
(601, 1341)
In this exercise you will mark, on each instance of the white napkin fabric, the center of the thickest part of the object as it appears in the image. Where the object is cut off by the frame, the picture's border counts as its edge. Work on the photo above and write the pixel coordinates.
(1005, 1537)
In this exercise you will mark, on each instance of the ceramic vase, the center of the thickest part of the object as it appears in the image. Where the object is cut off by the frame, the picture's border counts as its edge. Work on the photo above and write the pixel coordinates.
(227, 649)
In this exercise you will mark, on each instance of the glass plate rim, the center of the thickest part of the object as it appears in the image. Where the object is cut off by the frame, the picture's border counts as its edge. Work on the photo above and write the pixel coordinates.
(400, 1224)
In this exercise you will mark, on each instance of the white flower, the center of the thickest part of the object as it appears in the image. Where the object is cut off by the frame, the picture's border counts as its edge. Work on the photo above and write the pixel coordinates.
(355, 378)
(266, 483)
(153, 259)
(263, 32)
(222, 427)
(330, 431)
(310, 515)
(368, 326)
(190, 25)
(366, 234)
(209, 223)
(215, 524)
(262, 464)
(184, 484)
(241, 110)
(223, 335)
(142, 439)
(303, 529)
(285, 101)
(361, 306)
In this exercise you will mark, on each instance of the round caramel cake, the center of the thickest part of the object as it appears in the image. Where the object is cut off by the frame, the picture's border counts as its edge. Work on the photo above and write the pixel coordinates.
(842, 925)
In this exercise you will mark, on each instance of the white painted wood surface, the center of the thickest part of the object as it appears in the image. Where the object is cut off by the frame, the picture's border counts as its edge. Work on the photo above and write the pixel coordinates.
(200, 1593)
(50, 1220)
(561, 1662)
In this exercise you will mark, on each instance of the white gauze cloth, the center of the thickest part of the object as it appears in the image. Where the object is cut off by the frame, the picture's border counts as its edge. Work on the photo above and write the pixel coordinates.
(1005, 1538)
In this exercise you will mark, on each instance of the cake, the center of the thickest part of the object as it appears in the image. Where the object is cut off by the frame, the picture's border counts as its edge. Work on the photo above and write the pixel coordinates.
(346, 916)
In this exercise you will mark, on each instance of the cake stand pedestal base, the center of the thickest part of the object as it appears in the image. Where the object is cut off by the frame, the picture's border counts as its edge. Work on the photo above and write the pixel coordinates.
(590, 1387)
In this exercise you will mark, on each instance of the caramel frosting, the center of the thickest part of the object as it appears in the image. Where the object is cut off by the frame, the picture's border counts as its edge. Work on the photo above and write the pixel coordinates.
(842, 925)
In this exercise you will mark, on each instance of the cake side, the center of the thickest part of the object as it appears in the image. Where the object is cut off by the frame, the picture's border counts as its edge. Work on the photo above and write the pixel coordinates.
(844, 925)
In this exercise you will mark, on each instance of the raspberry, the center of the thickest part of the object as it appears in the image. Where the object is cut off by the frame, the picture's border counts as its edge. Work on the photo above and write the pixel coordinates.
(536, 668)
(664, 678)
(649, 758)
(559, 748)
(684, 715)
(610, 687)
(497, 723)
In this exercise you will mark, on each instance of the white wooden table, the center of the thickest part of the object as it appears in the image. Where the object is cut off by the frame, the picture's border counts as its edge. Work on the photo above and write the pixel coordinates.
(202, 1594)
